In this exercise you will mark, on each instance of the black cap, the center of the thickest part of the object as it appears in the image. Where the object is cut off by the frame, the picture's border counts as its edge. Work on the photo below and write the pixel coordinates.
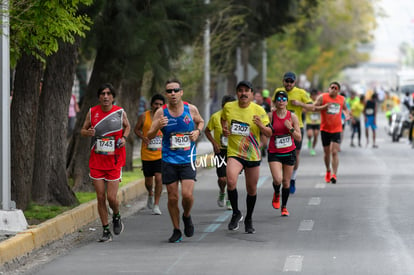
(289, 75)
(245, 83)
(281, 93)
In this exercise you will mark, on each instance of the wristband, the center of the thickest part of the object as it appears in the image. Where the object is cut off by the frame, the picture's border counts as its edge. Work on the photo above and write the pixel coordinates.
(124, 137)
(292, 130)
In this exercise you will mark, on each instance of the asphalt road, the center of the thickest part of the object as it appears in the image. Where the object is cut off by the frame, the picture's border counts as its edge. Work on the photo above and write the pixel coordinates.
(361, 225)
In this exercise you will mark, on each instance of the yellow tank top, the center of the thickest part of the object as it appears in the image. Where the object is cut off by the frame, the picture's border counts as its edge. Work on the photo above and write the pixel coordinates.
(151, 151)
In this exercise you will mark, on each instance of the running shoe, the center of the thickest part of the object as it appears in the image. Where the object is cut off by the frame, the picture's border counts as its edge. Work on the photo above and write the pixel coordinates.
(150, 202)
(176, 237)
(333, 178)
(228, 204)
(276, 201)
(235, 219)
(292, 186)
(117, 224)
(312, 152)
(221, 201)
(328, 177)
(248, 227)
(309, 143)
(156, 210)
(188, 226)
(284, 212)
(106, 236)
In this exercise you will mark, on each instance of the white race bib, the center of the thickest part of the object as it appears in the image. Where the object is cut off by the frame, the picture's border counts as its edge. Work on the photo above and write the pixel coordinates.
(224, 141)
(180, 141)
(283, 141)
(105, 145)
(315, 116)
(155, 143)
(334, 109)
(369, 112)
(240, 128)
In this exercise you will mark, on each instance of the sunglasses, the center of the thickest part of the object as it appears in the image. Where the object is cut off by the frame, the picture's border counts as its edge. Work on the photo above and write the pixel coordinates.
(175, 90)
(281, 98)
(334, 88)
(289, 80)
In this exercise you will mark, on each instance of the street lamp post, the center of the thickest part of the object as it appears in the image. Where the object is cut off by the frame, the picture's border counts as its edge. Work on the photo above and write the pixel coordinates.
(5, 109)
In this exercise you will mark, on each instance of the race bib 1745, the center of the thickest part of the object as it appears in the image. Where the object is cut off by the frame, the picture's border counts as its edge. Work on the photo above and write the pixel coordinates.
(105, 145)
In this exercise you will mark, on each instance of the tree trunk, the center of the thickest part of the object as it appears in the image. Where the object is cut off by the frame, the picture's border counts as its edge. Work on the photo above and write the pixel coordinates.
(129, 100)
(50, 184)
(23, 127)
(79, 147)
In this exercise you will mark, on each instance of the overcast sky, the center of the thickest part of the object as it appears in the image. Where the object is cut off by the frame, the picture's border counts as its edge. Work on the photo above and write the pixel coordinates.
(394, 29)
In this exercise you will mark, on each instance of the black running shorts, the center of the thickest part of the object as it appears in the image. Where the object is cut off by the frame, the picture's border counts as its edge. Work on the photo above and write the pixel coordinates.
(176, 172)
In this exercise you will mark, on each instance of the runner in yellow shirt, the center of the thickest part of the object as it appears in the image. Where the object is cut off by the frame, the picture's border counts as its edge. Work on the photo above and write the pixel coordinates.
(357, 107)
(219, 143)
(243, 121)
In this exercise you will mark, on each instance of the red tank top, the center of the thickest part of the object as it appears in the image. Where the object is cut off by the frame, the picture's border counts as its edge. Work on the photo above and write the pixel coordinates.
(281, 140)
(105, 155)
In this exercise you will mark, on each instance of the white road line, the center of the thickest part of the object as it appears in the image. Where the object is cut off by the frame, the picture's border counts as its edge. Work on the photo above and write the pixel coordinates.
(293, 263)
(320, 185)
(306, 225)
(314, 201)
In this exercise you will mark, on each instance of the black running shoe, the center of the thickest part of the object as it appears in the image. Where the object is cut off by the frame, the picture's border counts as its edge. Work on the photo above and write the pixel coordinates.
(106, 236)
(188, 226)
(235, 219)
(248, 227)
(176, 236)
(117, 224)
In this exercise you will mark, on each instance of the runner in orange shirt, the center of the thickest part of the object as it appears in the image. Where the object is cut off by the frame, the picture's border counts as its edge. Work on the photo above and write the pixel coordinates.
(331, 105)
(151, 154)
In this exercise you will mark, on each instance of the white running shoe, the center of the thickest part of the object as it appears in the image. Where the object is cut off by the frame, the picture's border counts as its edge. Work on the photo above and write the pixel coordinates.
(156, 210)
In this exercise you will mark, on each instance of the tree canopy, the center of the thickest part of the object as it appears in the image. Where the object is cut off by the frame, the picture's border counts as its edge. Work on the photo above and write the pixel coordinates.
(322, 45)
(35, 30)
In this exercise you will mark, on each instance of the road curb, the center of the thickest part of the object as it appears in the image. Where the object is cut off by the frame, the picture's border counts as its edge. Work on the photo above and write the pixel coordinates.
(68, 222)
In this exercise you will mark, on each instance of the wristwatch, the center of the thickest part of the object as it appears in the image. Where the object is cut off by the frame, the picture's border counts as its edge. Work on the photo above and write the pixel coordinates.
(291, 130)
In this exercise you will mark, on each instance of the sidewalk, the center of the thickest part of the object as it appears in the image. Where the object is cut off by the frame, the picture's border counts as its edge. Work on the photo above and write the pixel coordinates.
(23, 243)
